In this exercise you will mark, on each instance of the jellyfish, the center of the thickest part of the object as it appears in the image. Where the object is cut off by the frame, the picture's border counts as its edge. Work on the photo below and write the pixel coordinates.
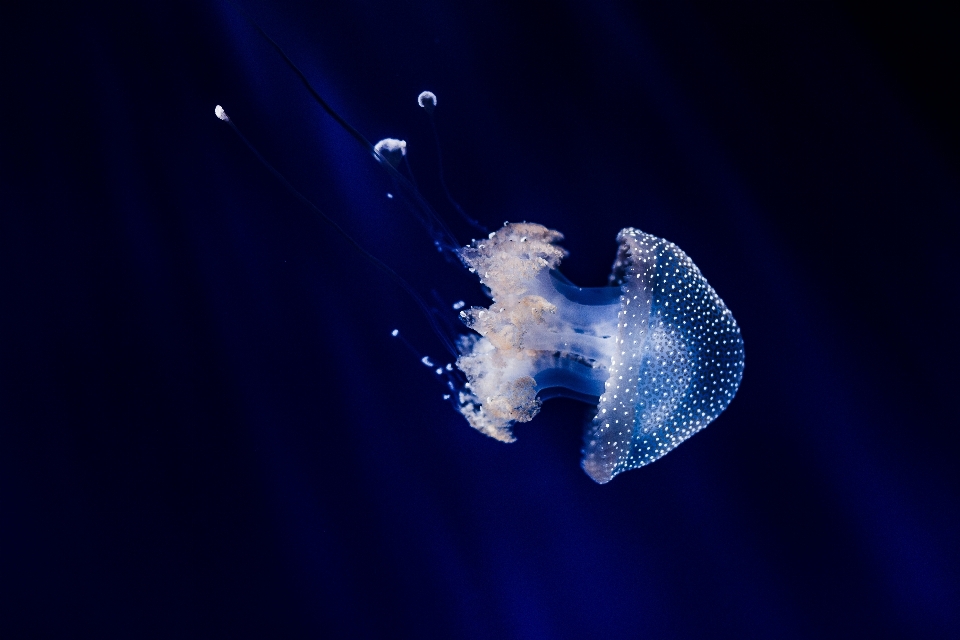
(656, 351)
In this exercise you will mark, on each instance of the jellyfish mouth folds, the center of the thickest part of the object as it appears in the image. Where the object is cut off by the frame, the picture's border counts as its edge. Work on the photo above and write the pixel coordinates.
(658, 352)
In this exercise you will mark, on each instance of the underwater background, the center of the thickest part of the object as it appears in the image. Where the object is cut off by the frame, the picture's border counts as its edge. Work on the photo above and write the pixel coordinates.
(206, 429)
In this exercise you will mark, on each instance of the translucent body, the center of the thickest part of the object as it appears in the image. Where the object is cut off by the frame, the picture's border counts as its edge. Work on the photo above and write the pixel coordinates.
(658, 351)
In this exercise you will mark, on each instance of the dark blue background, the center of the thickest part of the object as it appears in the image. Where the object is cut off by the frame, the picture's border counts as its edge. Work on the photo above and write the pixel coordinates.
(207, 431)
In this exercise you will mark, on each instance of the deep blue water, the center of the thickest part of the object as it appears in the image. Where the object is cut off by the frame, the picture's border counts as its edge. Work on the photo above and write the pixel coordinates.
(206, 429)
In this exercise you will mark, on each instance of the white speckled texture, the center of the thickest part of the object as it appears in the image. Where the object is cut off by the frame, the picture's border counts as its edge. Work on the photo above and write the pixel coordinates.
(679, 359)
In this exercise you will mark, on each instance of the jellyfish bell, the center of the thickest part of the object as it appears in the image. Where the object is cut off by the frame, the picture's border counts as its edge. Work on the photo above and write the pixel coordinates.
(658, 350)
(391, 150)
(427, 101)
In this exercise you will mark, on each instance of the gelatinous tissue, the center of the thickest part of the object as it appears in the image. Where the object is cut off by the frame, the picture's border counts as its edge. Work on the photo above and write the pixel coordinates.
(658, 349)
